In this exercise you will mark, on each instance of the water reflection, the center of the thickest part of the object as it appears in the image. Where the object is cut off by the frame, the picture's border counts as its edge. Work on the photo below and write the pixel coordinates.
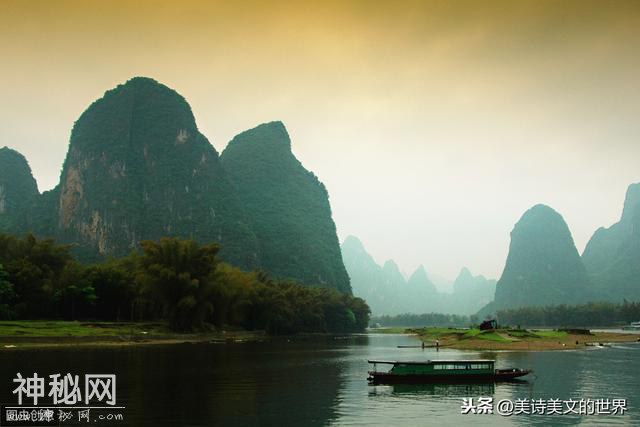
(322, 380)
(459, 390)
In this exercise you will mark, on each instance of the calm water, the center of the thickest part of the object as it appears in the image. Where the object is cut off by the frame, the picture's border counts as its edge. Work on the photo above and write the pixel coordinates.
(322, 381)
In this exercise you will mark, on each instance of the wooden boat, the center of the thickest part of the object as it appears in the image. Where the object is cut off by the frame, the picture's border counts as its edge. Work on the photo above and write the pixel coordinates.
(412, 372)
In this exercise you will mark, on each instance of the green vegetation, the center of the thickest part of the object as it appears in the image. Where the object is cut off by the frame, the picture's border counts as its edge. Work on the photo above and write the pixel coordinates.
(39, 328)
(175, 281)
(592, 314)
(432, 334)
(516, 339)
(491, 336)
(437, 333)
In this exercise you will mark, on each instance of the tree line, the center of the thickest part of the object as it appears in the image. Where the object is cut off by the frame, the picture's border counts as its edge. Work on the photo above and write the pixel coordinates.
(591, 314)
(427, 319)
(173, 280)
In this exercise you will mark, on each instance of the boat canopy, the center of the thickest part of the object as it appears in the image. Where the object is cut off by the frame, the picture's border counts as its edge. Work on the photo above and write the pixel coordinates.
(430, 362)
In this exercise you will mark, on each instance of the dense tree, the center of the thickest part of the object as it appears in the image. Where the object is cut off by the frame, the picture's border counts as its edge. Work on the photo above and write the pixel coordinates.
(36, 269)
(115, 290)
(7, 295)
(177, 281)
(181, 274)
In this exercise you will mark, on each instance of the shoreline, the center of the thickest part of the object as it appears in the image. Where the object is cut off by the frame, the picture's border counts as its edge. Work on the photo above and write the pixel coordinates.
(11, 343)
(16, 335)
(43, 334)
(519, 340)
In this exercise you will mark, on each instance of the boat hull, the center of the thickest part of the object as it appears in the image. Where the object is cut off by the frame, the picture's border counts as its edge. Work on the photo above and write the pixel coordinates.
(499, 375)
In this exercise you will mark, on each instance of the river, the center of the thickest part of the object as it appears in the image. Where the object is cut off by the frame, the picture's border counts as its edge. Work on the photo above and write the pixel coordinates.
(322, 381)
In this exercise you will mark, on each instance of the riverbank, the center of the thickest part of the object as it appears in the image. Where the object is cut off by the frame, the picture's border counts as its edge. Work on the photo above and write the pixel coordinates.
(513, 339)
(48, 334)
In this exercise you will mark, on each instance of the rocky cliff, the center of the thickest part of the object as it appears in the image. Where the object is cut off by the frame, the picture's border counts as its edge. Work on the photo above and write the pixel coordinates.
(288, 208)
(138, 168)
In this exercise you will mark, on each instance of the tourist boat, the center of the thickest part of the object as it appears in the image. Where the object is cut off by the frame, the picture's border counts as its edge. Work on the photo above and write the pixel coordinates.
(442, 371)
(632, 326)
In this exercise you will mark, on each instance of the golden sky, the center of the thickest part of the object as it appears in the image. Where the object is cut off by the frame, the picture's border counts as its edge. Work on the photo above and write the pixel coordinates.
(434, 124)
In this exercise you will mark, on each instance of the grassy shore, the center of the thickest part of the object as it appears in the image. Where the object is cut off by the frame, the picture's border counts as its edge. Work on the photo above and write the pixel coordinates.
(35, 333)
(514, 339)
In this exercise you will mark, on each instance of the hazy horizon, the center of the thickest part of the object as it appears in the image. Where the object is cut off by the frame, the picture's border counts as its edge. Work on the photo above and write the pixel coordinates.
(434, 125)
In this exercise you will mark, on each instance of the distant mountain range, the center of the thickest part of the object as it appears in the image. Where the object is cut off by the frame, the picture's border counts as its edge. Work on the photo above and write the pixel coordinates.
(544, 268)
(388, 292)
(138, 168)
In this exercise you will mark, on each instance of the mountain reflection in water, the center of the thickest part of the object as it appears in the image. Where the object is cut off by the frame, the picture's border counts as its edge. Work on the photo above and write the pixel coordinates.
(321, 380)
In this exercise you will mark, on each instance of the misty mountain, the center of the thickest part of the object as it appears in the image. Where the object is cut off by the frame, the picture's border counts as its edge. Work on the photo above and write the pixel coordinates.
(442, 284)
(368, 280)
(138, 168)
(420, 280)
(388, 292)
(393, 278)
(543, 265)
(471, 293)
(288, 208)
(419, 293)
(18, 190)
(612, 255)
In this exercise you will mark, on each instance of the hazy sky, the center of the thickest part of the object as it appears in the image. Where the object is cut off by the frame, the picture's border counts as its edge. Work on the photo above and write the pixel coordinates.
(434, 125)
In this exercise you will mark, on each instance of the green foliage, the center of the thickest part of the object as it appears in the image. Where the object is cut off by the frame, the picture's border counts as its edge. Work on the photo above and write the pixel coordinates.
(180, 274)
(36, 268)
(7, 295)
(255, 301)
(489, 336)
(115, 289)
(592, 314)
(57, 328)
(177, 281)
